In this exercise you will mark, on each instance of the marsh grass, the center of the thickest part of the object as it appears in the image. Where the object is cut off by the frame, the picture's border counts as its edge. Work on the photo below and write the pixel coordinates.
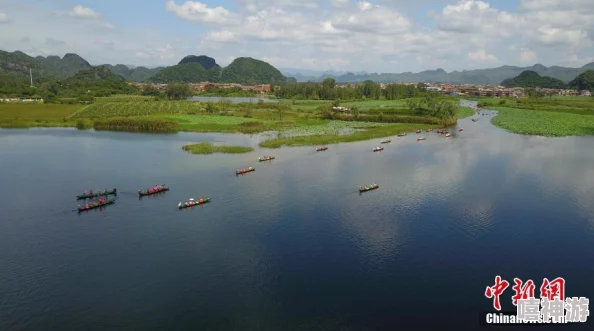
(543, 123)
(209, 148)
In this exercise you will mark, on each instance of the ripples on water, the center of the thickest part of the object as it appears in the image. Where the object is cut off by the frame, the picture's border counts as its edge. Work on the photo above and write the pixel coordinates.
(293, 245)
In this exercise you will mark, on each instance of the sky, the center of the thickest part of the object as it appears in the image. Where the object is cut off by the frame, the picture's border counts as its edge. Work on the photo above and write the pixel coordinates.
(340, 35)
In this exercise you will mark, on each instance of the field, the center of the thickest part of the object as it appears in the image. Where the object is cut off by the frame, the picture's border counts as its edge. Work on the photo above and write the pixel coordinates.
(17, 115)
(106, 109)
(557, 116)
(208, 148)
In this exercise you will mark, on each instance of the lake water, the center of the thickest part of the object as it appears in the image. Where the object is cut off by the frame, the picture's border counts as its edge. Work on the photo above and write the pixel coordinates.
(293, 245)
(233, 99)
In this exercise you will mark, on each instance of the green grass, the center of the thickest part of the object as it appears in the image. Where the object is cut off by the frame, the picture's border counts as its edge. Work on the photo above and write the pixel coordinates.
(108, 109)
(24, 115)
(208, 148)
(543, 123)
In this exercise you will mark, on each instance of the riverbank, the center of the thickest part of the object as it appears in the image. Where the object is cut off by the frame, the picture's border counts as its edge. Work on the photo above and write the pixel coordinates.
(294, 122)
(554, 117)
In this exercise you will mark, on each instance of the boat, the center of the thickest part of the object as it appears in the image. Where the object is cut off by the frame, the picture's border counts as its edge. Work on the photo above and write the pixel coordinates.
(266, 158)
(474, 119)
(378, 149)
(448, 135)
(419, 131)
(320, 149)
(244, 171)
(96, 194)
(150, 191)
(429, 130)
(386, 141)
(192, 203)
(460, 129)
(402, 134)
(368, 188)
(94, 205)
(421, 138)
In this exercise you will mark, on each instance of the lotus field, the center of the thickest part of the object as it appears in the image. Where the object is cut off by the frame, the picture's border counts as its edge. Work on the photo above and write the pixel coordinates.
(138, 108)
(543, 123)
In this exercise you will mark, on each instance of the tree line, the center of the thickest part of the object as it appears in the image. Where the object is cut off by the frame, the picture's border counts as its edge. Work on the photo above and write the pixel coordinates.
(328, 90)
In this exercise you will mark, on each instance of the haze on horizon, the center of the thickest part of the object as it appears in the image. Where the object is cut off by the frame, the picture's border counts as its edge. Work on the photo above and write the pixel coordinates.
(340, 35)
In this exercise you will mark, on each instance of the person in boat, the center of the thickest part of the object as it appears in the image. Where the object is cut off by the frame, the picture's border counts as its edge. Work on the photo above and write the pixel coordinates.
(366, 188)
(201, 200)
(90, 192)
(86, 206)
(179, 204)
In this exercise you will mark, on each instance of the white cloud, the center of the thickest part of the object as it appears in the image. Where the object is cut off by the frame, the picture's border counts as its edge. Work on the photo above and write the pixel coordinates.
(528, 57)
(83, 12)
(482, 56)
(200, 12)
(3, 18)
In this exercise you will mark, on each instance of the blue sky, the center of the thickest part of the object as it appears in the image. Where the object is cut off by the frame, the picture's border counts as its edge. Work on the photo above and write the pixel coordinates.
(342, 35)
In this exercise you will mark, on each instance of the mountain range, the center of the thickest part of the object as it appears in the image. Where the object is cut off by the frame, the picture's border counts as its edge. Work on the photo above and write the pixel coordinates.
(247, 70)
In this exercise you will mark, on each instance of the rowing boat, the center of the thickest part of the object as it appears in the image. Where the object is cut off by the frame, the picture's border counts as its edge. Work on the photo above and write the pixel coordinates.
(151, 191)
(377, 149)
(386, 141)
(421, 138)
(429, 130)
(94, 205)
(244, 171)
(460, 129)
(266, 158)
(402, 134)
(368, 188)
(192, 203)
(448, 135)
(321, 149)
(419, 131)
(96, 194)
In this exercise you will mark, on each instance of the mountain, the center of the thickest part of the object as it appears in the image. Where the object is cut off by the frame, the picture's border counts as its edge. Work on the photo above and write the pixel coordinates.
(205, 61)
(531, 78)
(43, 68)
(585, 81)
(243, 70)
(134, 74)
(478, 76)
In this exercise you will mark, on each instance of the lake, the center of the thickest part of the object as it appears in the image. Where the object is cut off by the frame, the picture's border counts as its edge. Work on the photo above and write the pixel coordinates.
(293, 245)
(233, 99)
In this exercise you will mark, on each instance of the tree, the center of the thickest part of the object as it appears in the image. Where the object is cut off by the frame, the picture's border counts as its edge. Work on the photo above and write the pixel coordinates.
(178, 91)
(150, 89)
(329, 83)
(336, 103)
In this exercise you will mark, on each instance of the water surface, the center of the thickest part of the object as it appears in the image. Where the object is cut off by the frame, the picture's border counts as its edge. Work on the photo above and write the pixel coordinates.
(293, 245)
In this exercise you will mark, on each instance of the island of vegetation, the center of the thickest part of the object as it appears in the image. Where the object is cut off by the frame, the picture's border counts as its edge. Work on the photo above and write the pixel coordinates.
(209, 148)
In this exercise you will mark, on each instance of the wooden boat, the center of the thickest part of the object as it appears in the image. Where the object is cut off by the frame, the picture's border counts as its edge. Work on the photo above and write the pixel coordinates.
(429, 130)
(386, 141)
(378, 149)
(448, 135)
(192, 203)
(150, 191)
(402, 134)
(419, 131)
(321, 149)
(94, 205)
(245, 171)
(460, 129)
(266, 158)
(96, 194)
(421, 138)
(368, 188)
(474, 119)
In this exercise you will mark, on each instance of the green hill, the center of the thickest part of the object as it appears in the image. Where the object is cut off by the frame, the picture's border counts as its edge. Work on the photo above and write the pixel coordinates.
(44, 68)
(243, 70)
(205, 61)
(584, 81)
(530, 78)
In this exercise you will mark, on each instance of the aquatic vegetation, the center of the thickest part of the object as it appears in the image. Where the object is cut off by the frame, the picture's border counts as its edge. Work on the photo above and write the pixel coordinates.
(136, 125)
(209, 148)
(543, 123)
